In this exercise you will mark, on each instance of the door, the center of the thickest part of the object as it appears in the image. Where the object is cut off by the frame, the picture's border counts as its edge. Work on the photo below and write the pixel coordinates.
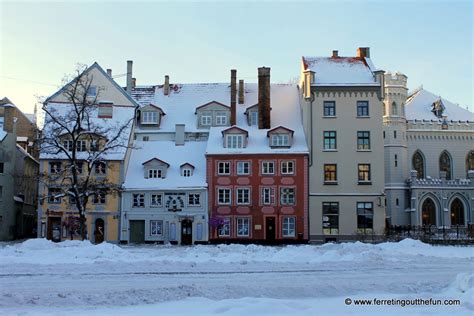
(186, 232)
(137, 232)
(99, 230)
(270, 228)
(54, 228)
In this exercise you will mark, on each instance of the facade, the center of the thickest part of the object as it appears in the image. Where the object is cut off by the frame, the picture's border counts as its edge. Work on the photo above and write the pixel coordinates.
(257, 167)
(57, 213)
(341, 100)
(18, 173)
(429, 158)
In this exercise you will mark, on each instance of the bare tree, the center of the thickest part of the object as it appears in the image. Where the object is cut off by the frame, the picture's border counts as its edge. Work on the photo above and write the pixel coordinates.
(79, 143)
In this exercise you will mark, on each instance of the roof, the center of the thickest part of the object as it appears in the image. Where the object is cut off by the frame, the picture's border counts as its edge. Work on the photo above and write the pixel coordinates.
(420, 103)
(285, 112)
(280, 127)
(236, 128)
(191, 153)
(341, 71)
(25, 153)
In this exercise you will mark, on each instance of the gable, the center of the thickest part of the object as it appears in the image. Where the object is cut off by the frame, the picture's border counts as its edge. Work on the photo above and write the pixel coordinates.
(155, 162)
(213, 106)
(280, 130)
(235, 130)
(152, 107)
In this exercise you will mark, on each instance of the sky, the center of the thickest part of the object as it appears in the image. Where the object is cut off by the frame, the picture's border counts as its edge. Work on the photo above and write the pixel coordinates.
(196, 41)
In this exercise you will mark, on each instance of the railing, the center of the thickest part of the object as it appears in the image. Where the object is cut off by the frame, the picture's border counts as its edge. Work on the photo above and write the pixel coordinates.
(432, 233)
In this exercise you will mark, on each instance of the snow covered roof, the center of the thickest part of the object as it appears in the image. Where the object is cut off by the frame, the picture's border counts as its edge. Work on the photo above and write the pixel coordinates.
(25, 153)
(419, 106)
(341, 71)
(285, 112)
(190, 153)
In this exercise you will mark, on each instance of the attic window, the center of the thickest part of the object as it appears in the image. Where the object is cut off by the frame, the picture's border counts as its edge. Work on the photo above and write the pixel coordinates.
(235, 141)
(149, 117)
(281, 140)
(155, 173)
(92, 92)
(187, 172)
(105, 110)
(254, 118)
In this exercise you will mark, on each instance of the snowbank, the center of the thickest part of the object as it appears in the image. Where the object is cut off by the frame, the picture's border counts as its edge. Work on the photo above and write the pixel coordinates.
(41, 251)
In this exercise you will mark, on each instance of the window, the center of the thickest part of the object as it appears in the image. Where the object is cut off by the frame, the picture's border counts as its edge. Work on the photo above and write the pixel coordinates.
(2, 166)
(287, 196)
(268, 196)
(365, 217)
(329, 108)
(280, 140)
(243, 167)
(330, 174)
(288, 227)
(81, 145)
(149, 117)
(363, 140)
(154, 173)
(100, 167)
(223, 196)
(187, 172)
(146, 138)
(394, 134)
(330, 218)
(394, 109)
(362, 108)
(105, 111)
(54, 196)
(445, 164)
(206, 118)
(67, 145)
(156, 228)
(138, 200)
(243, 227)
(397, 202)
(224, 227)
(383, 134)
(418, 164)
(99, 197)
(364, 173)
(243, 196)
(221, 118)
(91, 91)
(235, 141)
(223, 168)
(287, 167)
(330, 140)
(55, 167)
(94, 145)
(395, 161)
(194, 199)
(156, 200)
(268, 167)
(469, 162)
(254, 118)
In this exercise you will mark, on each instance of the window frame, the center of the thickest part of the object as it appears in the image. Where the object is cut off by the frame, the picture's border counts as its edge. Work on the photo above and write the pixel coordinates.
(100, 198)
(224, 173)
(362, 180)
(287, 162)
(140, 200)
(245, 222)
(330, 106)
(153, 198)
(370, 214)
(363, 109)
(55, 170)
(234, 140)
(280, 140)
(158, 224)
(328, 208)
(226, 223)
(271, 195)
(239, 195)
(155, 173)
(96, 168)
(243, 162)
(206, 118)
(226, 196)
(329, 180)
(291, 198)
(272, 162)
(149, 117)
(221, 118)
(329, 140)
(54, 200)
(198, 199)
(286, 225)
(363, 141)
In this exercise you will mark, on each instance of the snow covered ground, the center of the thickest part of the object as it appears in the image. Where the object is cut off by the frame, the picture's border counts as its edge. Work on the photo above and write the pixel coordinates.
(38, 277)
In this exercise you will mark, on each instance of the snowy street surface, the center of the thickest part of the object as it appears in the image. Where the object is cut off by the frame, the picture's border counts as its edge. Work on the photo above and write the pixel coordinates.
(38, 277)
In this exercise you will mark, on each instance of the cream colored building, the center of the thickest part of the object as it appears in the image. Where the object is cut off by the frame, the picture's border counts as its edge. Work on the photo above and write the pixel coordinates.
(341, 100)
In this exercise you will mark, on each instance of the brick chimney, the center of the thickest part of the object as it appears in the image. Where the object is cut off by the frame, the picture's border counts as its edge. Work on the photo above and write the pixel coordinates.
(129, 76)
(134, 82)
(233, 97)
(335, 54)
(264, 98)
(109, 72)
(166, 87)
(241, 91)
(363, 52)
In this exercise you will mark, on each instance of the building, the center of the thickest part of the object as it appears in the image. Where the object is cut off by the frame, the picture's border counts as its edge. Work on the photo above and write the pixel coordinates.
(341, 100)
(112, 110)
(18, 173)
(257, 162)
(429, 158)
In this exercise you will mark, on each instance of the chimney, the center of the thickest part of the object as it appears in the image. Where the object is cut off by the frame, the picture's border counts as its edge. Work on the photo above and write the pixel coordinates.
(233, 96)
(9, 113)
(241, 91)
(166, 87)
(109, 72)
(134, 82)
(179, 135)
(263, 98)
(335, 54)
(129, 76)
(363, 52)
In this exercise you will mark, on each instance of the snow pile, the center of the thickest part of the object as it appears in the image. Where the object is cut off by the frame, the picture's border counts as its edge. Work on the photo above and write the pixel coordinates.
(42, 251)
(463, 289)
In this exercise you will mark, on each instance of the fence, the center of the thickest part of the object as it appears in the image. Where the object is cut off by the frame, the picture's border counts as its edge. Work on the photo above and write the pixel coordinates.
(433, 234)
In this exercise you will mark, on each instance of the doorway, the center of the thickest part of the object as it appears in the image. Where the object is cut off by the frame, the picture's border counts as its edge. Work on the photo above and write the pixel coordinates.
(99, 231)
(137, 232)
(270, 229)
(186, 232)
(54, 229)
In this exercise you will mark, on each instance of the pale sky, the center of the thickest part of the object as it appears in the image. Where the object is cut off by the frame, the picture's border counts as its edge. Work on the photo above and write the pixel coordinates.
(430, 41)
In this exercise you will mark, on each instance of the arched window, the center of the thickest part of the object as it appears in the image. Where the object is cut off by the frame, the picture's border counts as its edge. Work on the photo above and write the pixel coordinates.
(457, 212)
(445, 164)
(428, 212)
(470, 161)
(394, 109)
(418, 163)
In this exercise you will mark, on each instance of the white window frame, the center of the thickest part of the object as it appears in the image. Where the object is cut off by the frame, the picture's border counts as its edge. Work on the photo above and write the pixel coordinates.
(234, 140)
(224, 163)
(266, 167)
(241, 168)
(67, 144)
(187, 172)
(155, 173)
(206, 118)
(81, 145)
(243, 222)
(289, 226)
(254, 118)
(268, 195)
(149, 117)
(285, 197)
(227, 196)
(280, 139)
(227, 223)
(198, 195)
(155, 198)
(243, 196)
(156, 227)
(285, 167)
(138, 200)
(221, 118)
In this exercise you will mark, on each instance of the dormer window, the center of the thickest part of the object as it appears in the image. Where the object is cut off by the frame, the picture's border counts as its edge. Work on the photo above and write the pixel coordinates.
(254, 118)
(154, 173)
(280, 137)
(149, 117)
(206, 118)
(155, 168)
(221, 118)
(235, 141)
(187, 170)
(212, 114)
(68, 145)
(279, 140)
(252, 114)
